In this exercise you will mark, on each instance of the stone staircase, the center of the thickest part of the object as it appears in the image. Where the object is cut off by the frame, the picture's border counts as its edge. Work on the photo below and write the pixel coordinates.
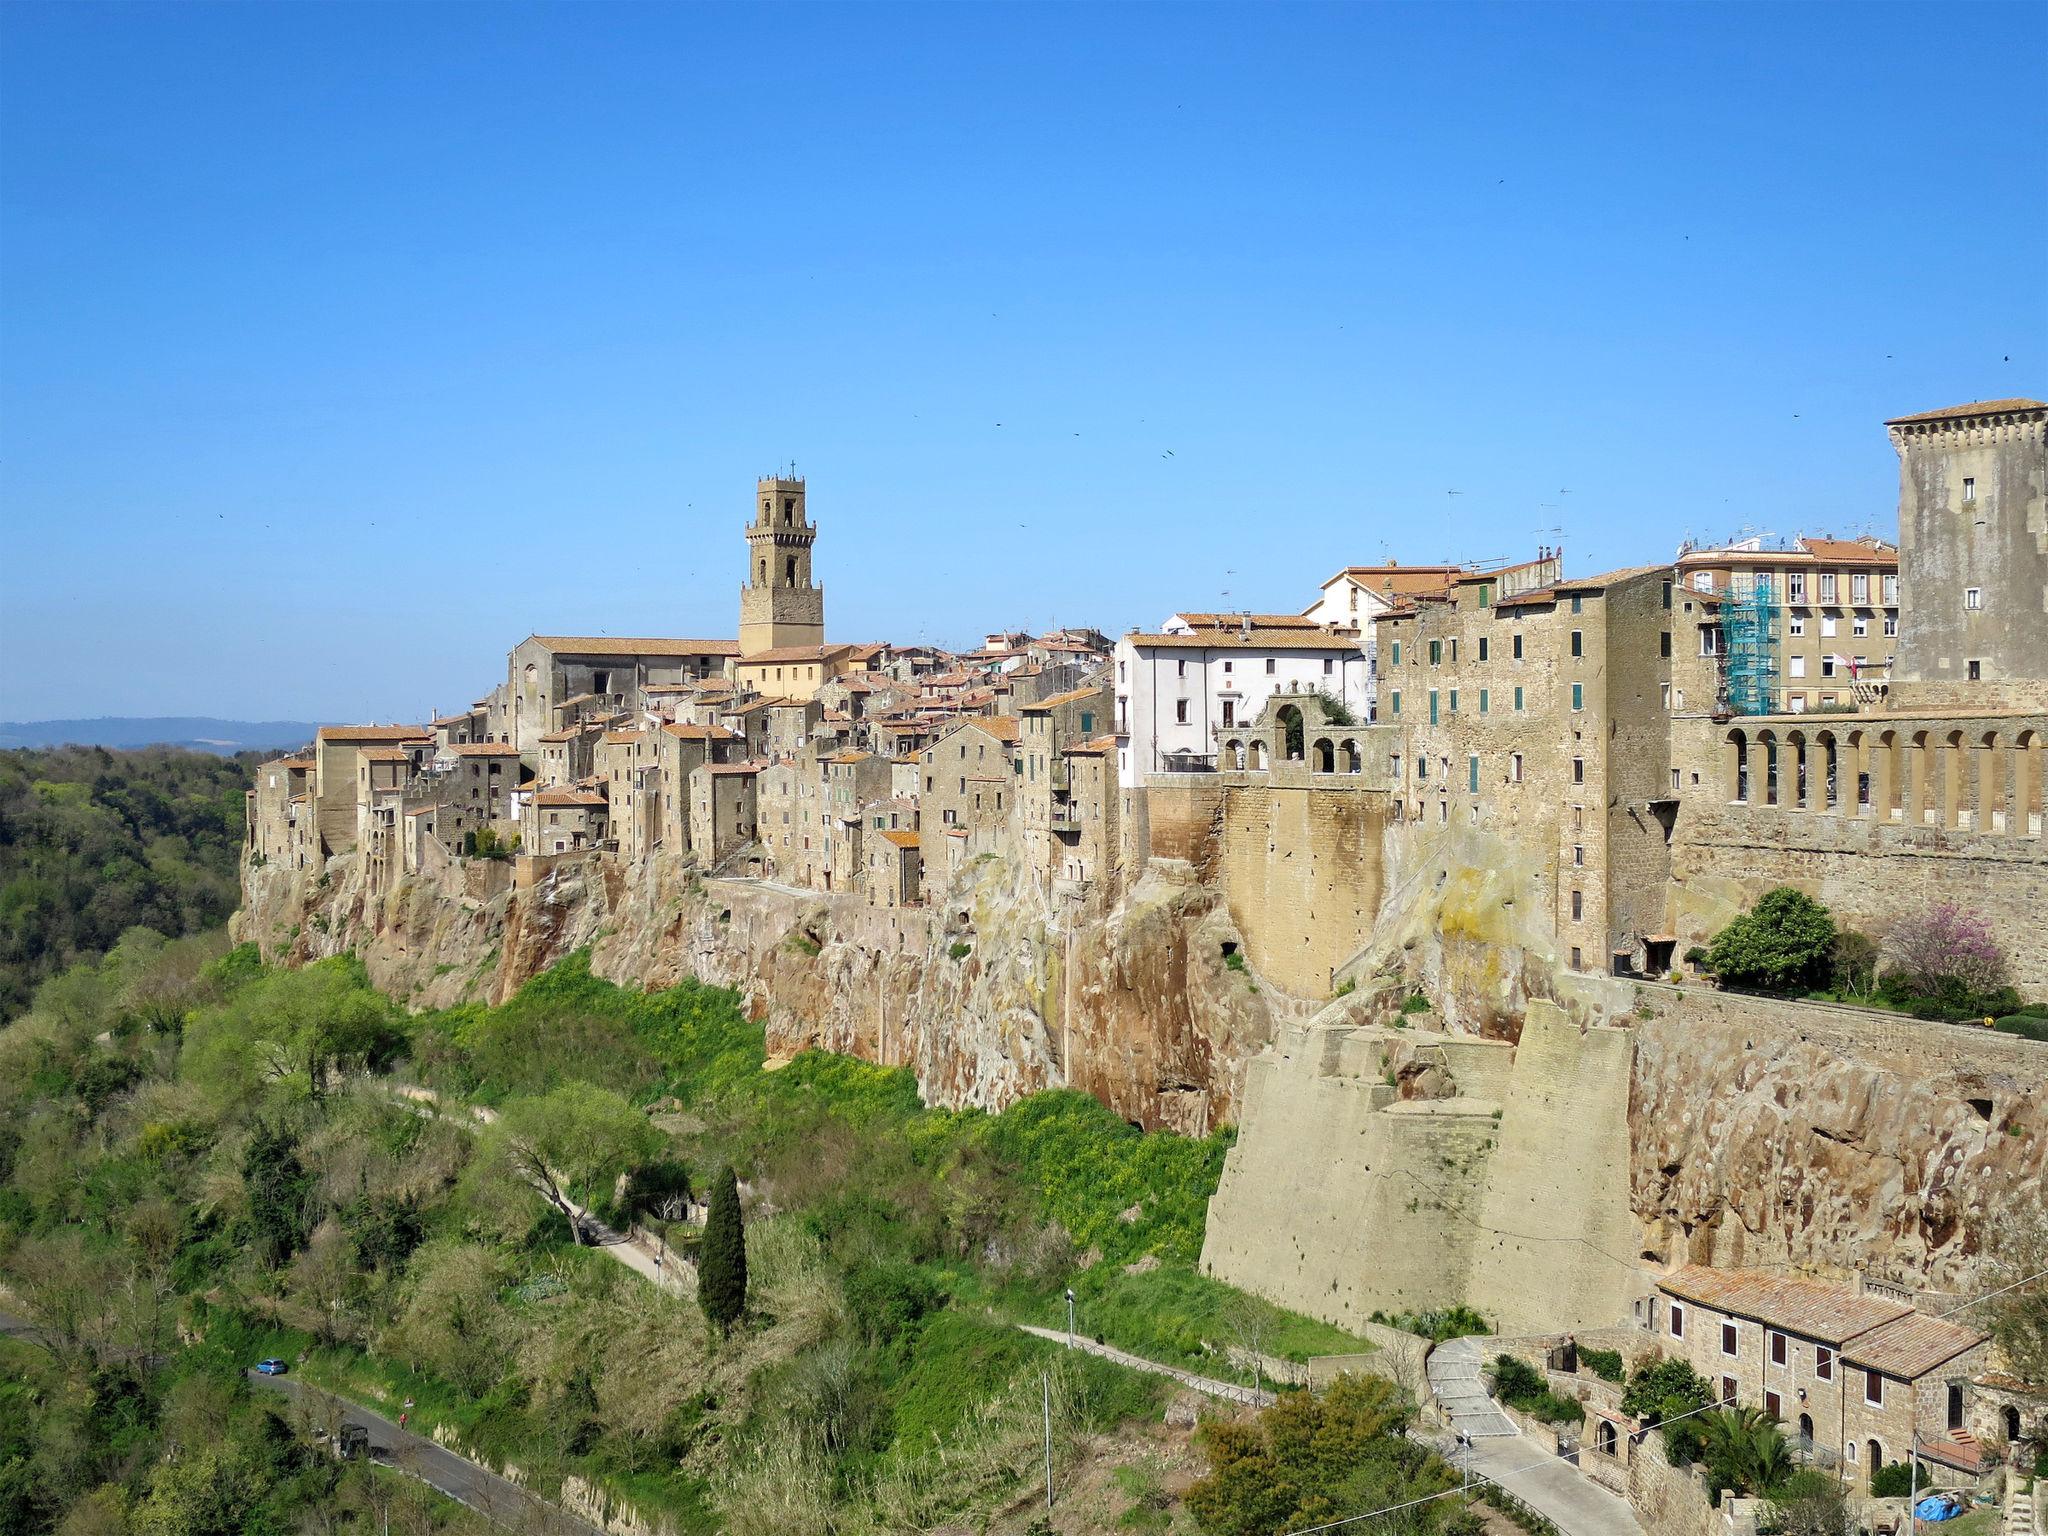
(2019, 1508)
(1455, 1383)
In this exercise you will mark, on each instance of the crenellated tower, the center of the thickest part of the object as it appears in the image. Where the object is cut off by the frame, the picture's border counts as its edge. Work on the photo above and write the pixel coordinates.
(780, 605)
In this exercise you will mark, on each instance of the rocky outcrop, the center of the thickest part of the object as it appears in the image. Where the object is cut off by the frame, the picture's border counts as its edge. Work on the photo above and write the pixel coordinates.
(989, 992)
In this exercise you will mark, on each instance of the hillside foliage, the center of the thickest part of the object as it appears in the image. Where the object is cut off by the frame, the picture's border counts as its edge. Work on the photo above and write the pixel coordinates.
(93, 843)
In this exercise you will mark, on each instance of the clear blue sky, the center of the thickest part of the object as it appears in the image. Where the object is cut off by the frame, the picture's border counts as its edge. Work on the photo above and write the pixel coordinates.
(343, 345)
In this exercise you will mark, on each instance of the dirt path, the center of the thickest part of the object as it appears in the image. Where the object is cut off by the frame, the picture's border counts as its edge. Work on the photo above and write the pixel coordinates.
(1229, 1391)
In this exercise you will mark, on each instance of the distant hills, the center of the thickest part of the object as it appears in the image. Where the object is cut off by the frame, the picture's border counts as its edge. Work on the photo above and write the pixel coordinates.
(198, 733)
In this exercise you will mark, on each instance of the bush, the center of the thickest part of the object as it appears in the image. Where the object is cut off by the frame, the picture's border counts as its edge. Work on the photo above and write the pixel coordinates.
(1786, 940)
(1947, 952)
(1438, 1323)
(1852, 967)
(1895, 1479)
(959, 950)
(1664, 1389)
(1520, 1385)
(1604, 1363)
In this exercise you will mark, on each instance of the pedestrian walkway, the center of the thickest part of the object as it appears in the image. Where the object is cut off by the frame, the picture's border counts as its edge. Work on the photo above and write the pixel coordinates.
(1229, 1391)
(1455, 1383)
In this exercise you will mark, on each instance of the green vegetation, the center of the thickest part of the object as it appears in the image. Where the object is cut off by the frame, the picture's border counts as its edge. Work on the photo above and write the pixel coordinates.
(1414, 1003)
(1520, 1385)
(93, 843)
(1604, 1363)
(206, 1162)
(1895, 1479)
(1786, 940)
(1310, 1459)
(1438, 1323)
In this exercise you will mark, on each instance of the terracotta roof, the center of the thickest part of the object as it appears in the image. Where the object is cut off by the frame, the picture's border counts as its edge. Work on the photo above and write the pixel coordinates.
(1002, 727)
(849, 757)
(1852, 551)
(1071, 696)
(746, 769)
(385, 754)
(1094, 747)
(900, 838)
(700, 733)
(796, 653)
(483, 749)
(1402, 580)
(622, 738)
(468, 714)
(561, 735)
(612, 645)
(422, 810)
(560, 797)
(1238, 620)
(1611, 578)
(749, 707)
(1817, 1309)
(370, 733)
(1257, 640)
(1975, 408)
(1911, 1346)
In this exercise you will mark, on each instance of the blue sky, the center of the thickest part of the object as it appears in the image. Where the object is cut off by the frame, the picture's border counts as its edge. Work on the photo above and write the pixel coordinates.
(343, 345)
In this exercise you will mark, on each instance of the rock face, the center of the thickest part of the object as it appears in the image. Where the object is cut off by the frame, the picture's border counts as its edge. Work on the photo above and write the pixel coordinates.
(988, 993)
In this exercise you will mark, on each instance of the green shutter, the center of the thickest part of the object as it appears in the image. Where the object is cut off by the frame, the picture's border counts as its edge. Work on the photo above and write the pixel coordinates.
(1087, 723)
(1397, 701)
(1432, 706)
(1482, 701)
(1454, 701)
(1578, 695)
(1397, 653)
(1472, 767)
(1518, 701)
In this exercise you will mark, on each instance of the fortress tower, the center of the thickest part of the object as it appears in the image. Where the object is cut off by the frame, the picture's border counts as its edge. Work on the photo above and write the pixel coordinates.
(780, 605)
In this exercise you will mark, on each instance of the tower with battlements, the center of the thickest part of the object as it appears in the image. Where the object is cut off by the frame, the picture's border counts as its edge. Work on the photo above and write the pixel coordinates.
(780, 605)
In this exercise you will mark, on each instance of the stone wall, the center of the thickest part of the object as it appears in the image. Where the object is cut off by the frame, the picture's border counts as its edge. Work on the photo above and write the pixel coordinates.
(1869, 873)
(1671, 1501)
(1300, 869)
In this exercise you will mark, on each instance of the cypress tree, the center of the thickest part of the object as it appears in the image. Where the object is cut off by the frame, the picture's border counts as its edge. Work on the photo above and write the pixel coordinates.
(722, 1262)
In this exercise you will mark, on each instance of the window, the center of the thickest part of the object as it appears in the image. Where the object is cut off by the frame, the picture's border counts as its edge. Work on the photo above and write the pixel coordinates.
(1486, 594)
(1432, 707)
(1780, 1349)
(1703, 581)
(1088, 721)
(1795, 666)
(1579, 859)
(1397, 653)
(1795, 587)
(1578, 961)
(1859, 587)
(1827, 586)
(1773, 1404)
(1873, 1389)
(1969, 487)
(1667, 597)
(1514, 767)
(1270, 665)
(1976, 671)
(1727, 1389)
(1482, 701)
(1518, 700)
(1579, 915)
(1890, 587)
(1578, 695)
(1578, 642)
(1329, 666)
(1397, 701)
(1710, 640)
(1180, 667)
(1827, 665)
(1482, 647)
(1731, 1337)
(1578, 770)
(1578, 603)
(1517, 650)
(1827, 626)
(1454, 701)
(1891, 626)
(1229, 713)
(1823, 1363)
(1436, 653)
(1229, 666)
(1973, 597)
(1664, 645)
(1180, 711)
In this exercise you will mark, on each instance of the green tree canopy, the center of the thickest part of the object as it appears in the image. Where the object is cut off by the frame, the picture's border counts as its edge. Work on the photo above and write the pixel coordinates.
(577, 1136)
(722, 1260)
(1786, 940)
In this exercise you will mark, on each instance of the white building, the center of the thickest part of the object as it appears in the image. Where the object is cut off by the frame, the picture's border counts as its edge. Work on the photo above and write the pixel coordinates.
(1352, 598)
(1175, 693)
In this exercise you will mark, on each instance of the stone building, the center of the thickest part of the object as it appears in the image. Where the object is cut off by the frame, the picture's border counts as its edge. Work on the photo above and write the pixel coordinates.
(1973, 526)
(792, 671)
(679, 751)
(1856, 1377)
(336, 778)
(1048, 816)
(628, 763)
(598, 674)
(971, 774)
(780, 607)
(850, 781)
(279, 821)
(564, 819)
(894, 865)
(472, 786)
(568, 756)
(1541, 717)
(722, 809)
(1087, 842)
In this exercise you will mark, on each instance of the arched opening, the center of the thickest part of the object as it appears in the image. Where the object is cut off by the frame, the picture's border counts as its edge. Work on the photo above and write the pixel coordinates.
(764, 573)
(2012, 1424)
(1795, 744)
(2027, 762)
(1326, 756)
(1830, 762)
(1292, 736)
(1806, 1432)
(1738, 766)
(1353, 762)
(1770, 746)
(1859, 770)
(1874, 1450)
(1990, 803)
(1888, 782)
(1258, 756)
(1604, 1438)
(1233, 754)
(1955, 804)
(789, 570)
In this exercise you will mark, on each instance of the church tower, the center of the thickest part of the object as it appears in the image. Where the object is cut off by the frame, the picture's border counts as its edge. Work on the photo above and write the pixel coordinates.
(779, 605)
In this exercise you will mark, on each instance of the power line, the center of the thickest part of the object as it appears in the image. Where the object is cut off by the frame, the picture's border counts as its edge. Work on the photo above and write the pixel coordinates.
(1393, 1509)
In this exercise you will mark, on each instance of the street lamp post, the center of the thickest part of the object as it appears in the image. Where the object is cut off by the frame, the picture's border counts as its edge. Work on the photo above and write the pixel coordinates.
(1070, 1317)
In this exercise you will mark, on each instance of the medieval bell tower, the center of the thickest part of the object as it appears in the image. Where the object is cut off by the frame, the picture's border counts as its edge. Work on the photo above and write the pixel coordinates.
(780, 605)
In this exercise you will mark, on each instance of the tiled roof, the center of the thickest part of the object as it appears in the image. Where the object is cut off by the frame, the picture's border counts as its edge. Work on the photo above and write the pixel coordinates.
(796, 653)
(1911, 1346)
(1975, 408)
(900, 838)
(1002, 727)
(700, 733)
(1072, 696)
(1257, 640)
(385, 754)
(741, 770)
(849, 757)
(1094, 747)
(561, 735)
(622, 738)
(1852, 551)
(483, 749)
(370, 732)
(613, 645)
(1238, 620)
(1817, 1309)
(1402, 580)
(574, 797)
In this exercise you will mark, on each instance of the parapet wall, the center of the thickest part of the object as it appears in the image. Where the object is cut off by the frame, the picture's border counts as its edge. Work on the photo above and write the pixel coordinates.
(1870, 873)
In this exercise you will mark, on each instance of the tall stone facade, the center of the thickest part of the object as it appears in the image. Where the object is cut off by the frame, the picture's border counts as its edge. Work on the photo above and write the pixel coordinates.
(1973, 545)
(780, 606)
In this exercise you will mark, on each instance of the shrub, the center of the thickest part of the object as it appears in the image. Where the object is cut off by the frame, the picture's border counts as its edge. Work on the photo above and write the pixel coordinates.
(1785, 940)
(1604, 1363)
(1438, 1323)
(1946, 951)
(1664, 1389)
(1414, 1002)
(1520, 1385)
(960, 950)
(1895, 1479)
(1852, 966)
(1234, 961)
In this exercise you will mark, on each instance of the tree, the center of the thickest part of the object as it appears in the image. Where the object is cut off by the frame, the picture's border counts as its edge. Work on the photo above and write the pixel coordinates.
(1810, 1503)
(577, 1135)
(1743, 1449)
(278, 1189)
(722, 1261)
(2018, 1319)
(1786, 940)
(1947, 952)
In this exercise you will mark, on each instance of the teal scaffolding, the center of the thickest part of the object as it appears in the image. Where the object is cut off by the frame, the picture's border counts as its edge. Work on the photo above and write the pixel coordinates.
(1749, 632)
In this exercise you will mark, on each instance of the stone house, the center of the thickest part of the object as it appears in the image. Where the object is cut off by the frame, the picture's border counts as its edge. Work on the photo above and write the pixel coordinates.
(1088, 841)
(544, 673)
(1047, 817)
(792, 671)
(722, 809)
(568, 756)
(850, 781)
(629, 763)
(789, 725)
(1856, 1377)
(472, 725)
(278, 821)
(679, 751)
(471, 786)
(971, 774)
(337, 781)
(747, 718)
(894, 865)
(564, 819)
(1540, 717)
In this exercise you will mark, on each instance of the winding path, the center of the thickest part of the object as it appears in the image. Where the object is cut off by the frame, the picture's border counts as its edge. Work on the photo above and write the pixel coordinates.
(1229, 1391)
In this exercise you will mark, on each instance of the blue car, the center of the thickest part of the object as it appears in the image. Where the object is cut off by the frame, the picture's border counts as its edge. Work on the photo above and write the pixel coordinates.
(270, 1367)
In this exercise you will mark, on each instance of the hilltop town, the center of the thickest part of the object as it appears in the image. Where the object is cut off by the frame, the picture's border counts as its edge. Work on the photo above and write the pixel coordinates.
(1414, 885)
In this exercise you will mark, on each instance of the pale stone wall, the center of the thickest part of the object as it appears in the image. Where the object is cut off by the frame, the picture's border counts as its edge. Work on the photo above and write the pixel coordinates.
(1300, 868)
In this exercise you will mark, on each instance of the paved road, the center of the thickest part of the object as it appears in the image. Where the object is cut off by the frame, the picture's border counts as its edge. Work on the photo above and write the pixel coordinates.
(1230, 1391)
(465, 1481)
(1528, 1468)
